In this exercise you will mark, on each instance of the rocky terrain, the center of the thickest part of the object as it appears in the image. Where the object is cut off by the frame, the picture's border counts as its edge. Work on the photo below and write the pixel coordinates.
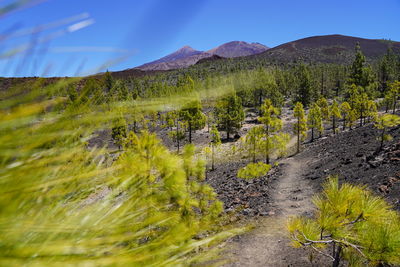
(287, 190)
(267, 202)
(268, 244)
(352, 155)
(355, 158)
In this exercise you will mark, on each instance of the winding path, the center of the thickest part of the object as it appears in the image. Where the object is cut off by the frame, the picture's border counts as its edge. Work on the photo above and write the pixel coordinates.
(268, 244)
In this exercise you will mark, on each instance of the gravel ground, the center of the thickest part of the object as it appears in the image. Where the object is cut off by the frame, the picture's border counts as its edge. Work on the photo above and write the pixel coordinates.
(353, 156)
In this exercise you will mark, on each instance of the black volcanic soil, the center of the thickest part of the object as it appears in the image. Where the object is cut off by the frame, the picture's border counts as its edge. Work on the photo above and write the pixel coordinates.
(287, 191)
(247, 197)
(353, 156)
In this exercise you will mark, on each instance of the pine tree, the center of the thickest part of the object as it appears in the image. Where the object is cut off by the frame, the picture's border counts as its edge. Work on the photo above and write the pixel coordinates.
(253, 141)
(185, 83)
(352, 118)
(152, 118)
(350, 223)
(135, 116)
(279, 143)
(340, 74)
(371, 110)
(392, 95)
(261, 86)
(135, 87)
(361, 74)
(314, 120)
(229, 114)
(265, 86)
(272, 124)
(357, 68)
(304, 90)
(348, 115)
(335, 114)
(215, 141)
(91, 94)
(119, 131)
(108, 81)
(210, 120)
(177, 134)
(361, 106)
(387, 69)
(118, 92)
(325, 111)
(322, 84)
(382, 123)
(352, 93)
(170, 118)
(192, 114)
(387, 101)
(358, 101)
(300, 126)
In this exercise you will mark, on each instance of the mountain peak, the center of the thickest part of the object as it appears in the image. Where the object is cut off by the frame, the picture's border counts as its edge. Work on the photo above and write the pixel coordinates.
(186, 55)
(186, 48)
(182, 53)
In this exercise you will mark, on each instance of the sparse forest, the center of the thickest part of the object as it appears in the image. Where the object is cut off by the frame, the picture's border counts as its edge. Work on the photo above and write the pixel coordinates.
(169, 167)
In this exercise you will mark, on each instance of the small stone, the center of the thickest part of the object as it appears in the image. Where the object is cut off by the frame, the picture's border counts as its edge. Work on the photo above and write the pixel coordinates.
(348, 161)
(370, 157)
(393, 180)
(374, 164)
(246, 212)
(383, 189)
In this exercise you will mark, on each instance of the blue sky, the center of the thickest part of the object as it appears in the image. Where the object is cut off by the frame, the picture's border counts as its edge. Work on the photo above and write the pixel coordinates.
(86, 36)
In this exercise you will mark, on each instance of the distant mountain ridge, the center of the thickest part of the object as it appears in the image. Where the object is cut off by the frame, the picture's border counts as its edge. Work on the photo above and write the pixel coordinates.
(333, 48)
(187, 56)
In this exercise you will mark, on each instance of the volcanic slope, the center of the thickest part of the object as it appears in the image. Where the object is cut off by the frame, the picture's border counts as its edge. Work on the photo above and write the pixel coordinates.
(328, 49)
(352, 155)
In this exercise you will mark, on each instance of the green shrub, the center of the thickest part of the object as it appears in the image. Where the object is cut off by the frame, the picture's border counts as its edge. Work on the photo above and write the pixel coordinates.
(350, 223)
(254, 170)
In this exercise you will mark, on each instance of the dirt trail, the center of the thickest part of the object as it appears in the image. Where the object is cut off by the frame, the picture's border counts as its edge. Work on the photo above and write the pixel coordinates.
(268, 244)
